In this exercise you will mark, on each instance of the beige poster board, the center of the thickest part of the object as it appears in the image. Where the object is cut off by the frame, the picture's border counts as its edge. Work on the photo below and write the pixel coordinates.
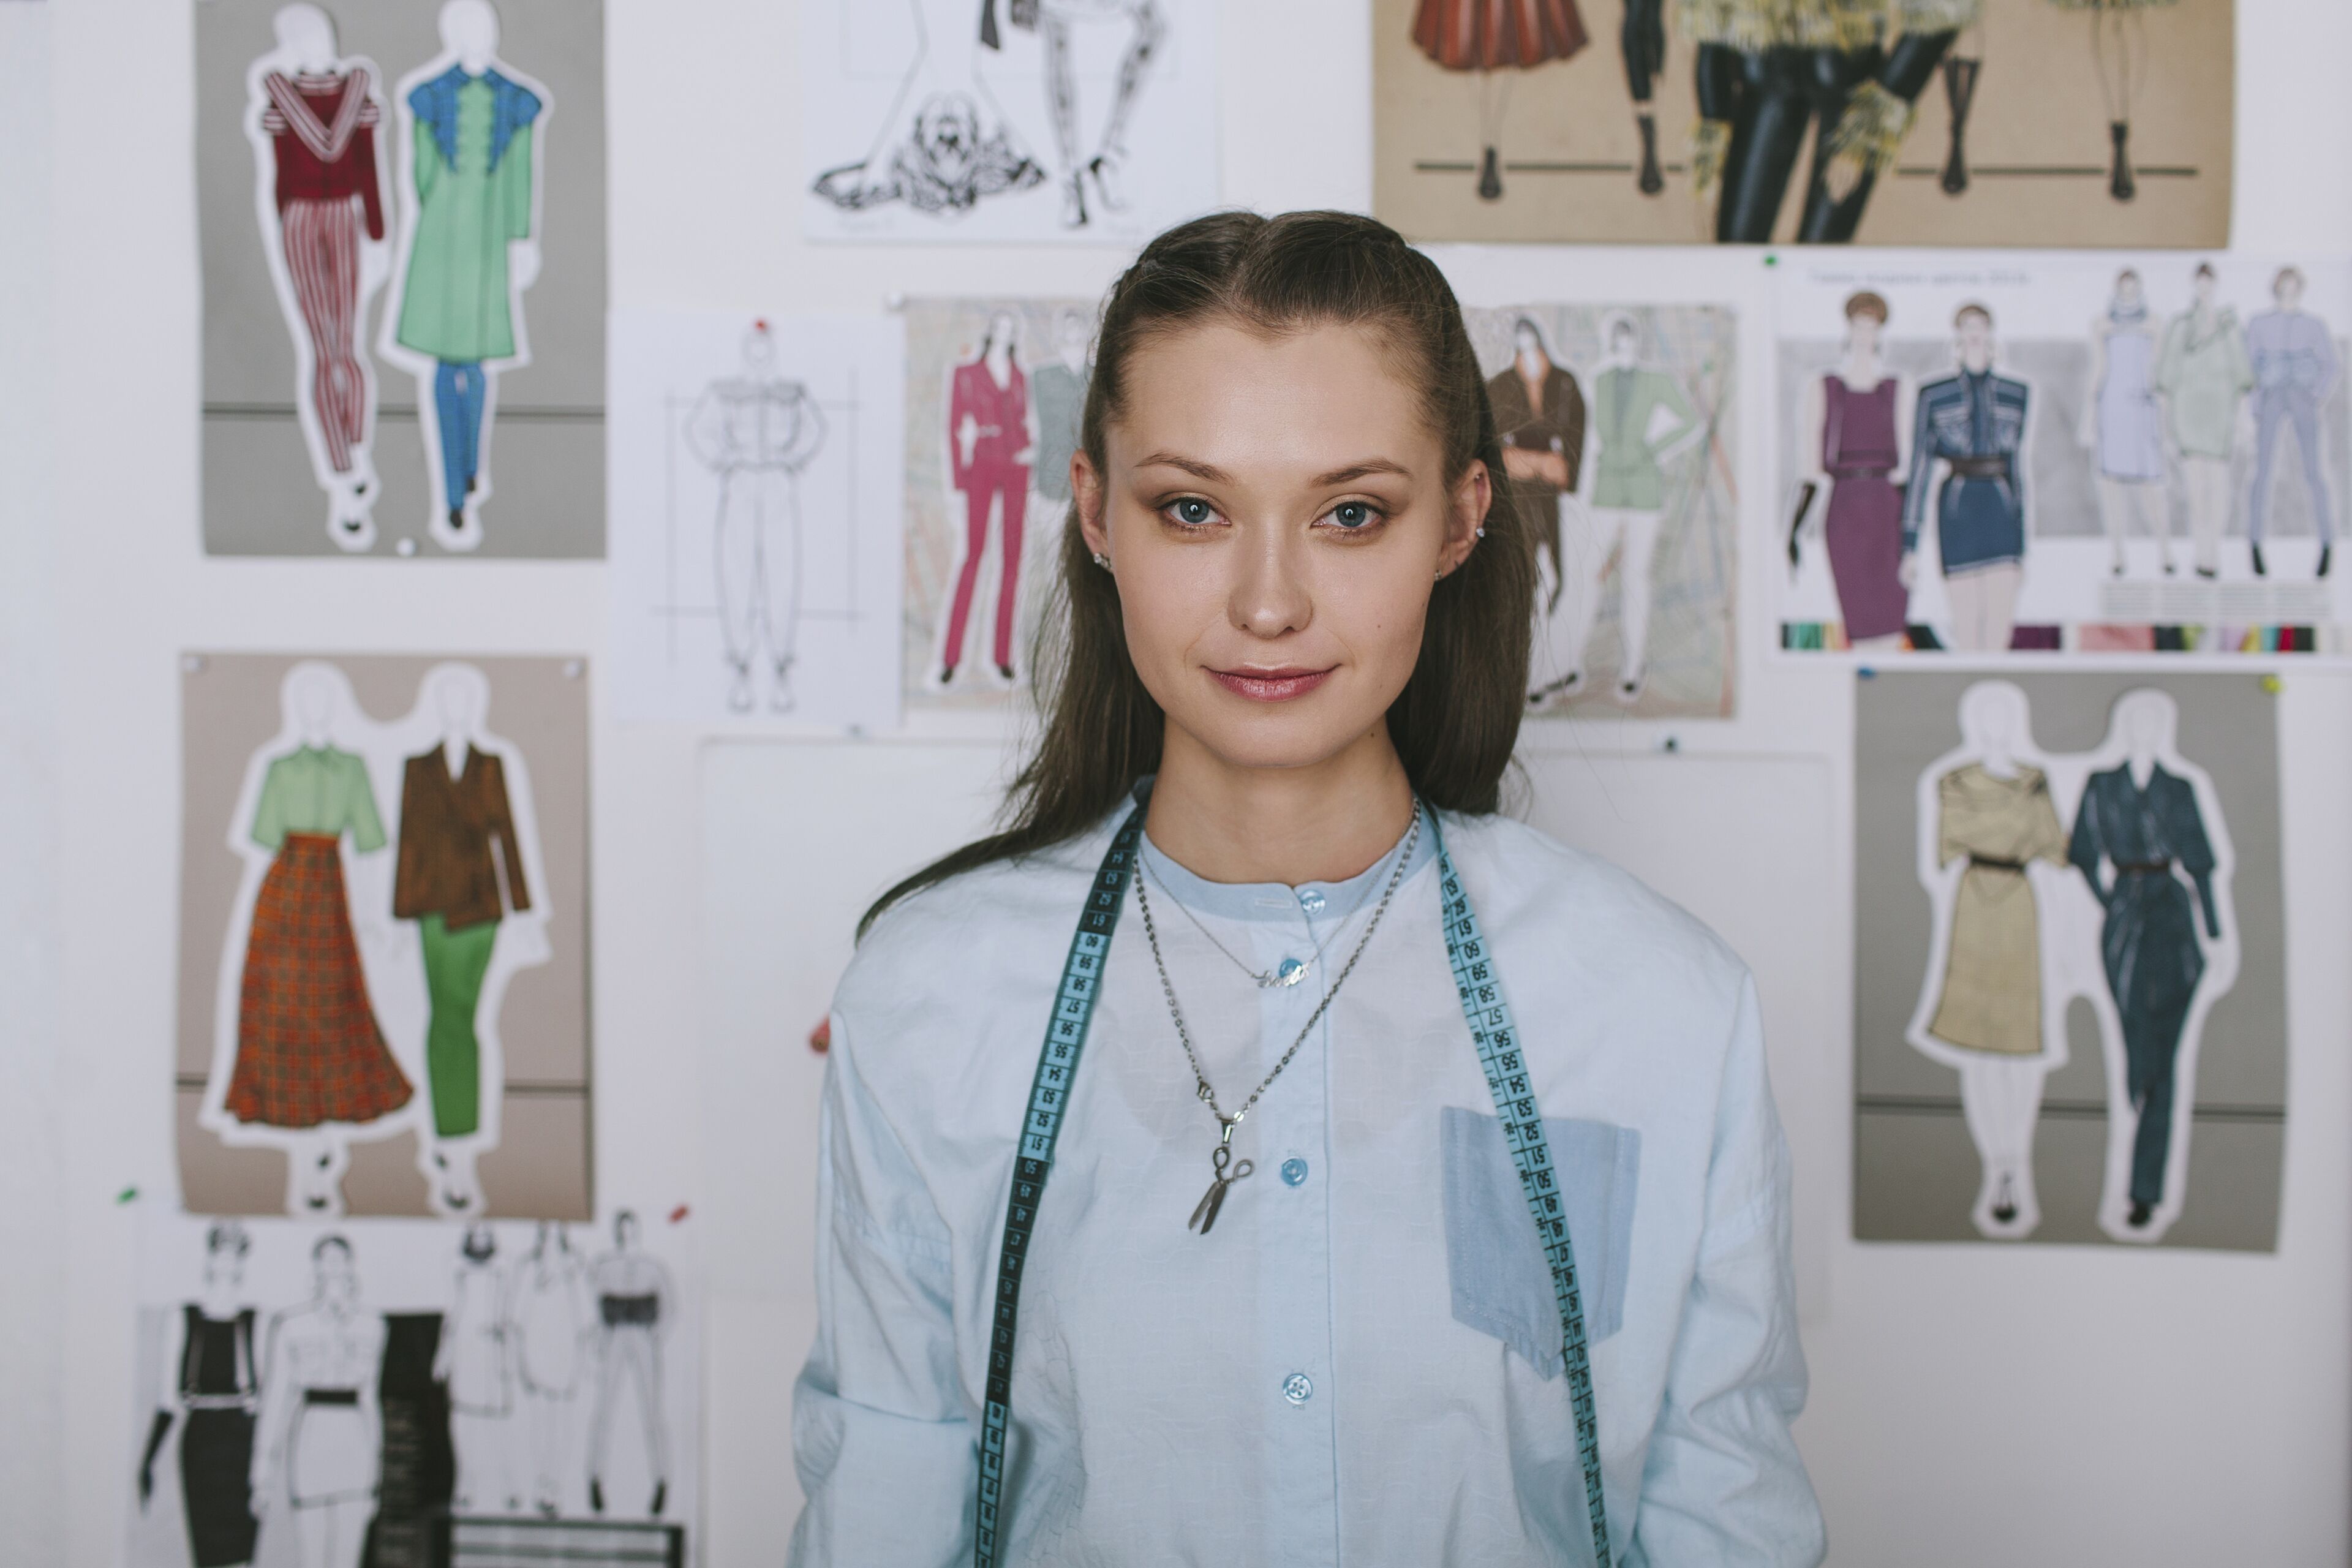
(383, 959)
(2049, 81)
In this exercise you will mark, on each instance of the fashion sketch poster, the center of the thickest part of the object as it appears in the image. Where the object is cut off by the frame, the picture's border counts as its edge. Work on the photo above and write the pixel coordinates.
(1944, 122)
(996, 392)
(383, 977)
(322, 1394)
(2142, 452)
(1038, 122)
(402, 214)
(757, 486)
(1619, 431)
(2069, 964)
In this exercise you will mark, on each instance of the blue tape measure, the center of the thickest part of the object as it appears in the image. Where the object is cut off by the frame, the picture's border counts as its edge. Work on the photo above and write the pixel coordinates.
(1491, 1031)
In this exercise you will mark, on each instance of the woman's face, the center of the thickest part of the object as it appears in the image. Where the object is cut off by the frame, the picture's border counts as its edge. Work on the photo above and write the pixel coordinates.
(1276, 511)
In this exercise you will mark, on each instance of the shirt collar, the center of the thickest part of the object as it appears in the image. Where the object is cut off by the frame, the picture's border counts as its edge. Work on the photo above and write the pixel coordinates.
(1278, 900)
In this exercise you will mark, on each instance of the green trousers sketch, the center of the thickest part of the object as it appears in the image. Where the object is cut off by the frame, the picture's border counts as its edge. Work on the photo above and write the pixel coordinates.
(455, 962)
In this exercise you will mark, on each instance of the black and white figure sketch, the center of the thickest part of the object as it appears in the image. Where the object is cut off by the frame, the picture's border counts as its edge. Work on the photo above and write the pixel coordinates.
(310, 1419)
(321, 1445)
(320, 190)
(2102, 877)
(211, 1395)
(393, 887)
(756, 431)
(637, 1307)
(473, 134)
(1005, 119)
(754, 534)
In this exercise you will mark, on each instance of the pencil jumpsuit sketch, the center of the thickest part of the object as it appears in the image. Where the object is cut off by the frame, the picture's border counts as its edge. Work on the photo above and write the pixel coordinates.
(757, 433)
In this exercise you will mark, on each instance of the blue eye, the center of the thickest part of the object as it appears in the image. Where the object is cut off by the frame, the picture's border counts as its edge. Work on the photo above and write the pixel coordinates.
(1352, 514)
(1193, 511)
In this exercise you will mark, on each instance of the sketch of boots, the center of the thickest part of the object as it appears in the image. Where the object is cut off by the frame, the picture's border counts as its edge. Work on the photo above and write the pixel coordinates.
(2120, 184)
(1959, 91)
(1490, 177)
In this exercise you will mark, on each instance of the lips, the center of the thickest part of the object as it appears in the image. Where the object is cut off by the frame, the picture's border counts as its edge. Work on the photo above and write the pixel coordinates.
(1270, 684)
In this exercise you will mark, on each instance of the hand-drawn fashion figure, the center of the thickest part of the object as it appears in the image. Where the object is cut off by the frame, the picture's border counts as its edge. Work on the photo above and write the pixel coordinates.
(2118, 52)
(944, 143)
(2140, 841)
(2203, 373)
(633, 1297)
(1058, 393)
(1638, 421)
(471, 201)
(2123, 423)
(212, 1388)
(1539, 420)
(1053, 20)
(1768, 69)
(320, 1448)
(2296, 365)
(756, 431)
(312, 115)
(474, 1360)
(1487, 37)
(1973, 422)
(988, 453)
(1858, 420)
(1985, 821)
(548, 1300)
(310, 1052)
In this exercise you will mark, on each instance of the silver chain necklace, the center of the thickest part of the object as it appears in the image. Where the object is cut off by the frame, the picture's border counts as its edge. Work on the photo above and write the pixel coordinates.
(1287, 973)
(1221, 1158)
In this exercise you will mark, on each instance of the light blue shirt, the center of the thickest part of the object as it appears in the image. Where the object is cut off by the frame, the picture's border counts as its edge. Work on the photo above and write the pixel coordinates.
(1361, 1364)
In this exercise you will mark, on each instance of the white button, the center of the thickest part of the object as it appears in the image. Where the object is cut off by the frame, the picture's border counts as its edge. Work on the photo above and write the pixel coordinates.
(1311, 901)
(1298, 1388)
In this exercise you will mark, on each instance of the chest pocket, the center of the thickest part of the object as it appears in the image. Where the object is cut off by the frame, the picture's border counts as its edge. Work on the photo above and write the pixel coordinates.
(1502, 1282)
(1951, 428)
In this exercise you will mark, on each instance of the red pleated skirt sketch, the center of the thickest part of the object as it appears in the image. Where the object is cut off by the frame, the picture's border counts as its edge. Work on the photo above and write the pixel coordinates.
(1488, 34)
(307, 1046)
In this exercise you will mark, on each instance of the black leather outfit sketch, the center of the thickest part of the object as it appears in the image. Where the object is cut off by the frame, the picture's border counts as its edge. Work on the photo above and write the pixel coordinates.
(1770, 69)
(757, 432)
(2154, 960)
(218, 1394)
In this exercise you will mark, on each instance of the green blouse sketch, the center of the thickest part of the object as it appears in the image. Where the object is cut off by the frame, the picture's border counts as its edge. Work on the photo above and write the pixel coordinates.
(1626, 403)
(318, 790)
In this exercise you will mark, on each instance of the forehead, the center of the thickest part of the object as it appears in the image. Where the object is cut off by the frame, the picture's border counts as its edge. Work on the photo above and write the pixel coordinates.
(1272, 406)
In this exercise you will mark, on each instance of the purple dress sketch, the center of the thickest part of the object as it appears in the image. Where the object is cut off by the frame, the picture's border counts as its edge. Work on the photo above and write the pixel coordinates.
(1865, 524)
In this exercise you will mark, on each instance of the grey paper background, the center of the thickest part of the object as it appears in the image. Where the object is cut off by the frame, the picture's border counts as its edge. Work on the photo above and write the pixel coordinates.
(1915, 1170)
(547, 444)
(541, 1167)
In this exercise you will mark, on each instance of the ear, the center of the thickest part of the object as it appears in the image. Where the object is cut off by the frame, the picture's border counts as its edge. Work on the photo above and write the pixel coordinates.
(1087, 490)
(1466, 517)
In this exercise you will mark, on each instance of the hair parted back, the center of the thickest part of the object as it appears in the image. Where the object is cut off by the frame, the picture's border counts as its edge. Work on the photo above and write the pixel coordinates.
(1457, 719)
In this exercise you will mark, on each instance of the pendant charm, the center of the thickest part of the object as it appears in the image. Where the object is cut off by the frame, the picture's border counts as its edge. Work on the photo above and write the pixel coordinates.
(1204, 1213)
(1289, 972)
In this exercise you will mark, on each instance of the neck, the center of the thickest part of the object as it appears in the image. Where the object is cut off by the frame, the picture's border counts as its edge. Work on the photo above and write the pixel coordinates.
(1325, 822)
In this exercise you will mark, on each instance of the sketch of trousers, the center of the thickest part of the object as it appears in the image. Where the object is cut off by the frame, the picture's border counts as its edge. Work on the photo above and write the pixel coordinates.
(2292, 406)
(1584, 547)
(2207, 481)
(547, 1422)
(461, 394)
(322, 258)
(759, 567)
(989, 486)
(631, 1360)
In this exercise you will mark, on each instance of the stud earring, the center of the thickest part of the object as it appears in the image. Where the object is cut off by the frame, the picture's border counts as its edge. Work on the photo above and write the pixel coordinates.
(1482, 533)
(1441, 575)
(1102, 561)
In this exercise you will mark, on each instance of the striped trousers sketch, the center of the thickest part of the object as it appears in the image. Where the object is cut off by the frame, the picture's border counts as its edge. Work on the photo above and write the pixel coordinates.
(322, 257)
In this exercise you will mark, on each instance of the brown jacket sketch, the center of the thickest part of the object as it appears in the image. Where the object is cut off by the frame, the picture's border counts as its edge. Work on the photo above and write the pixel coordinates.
(1992, 982)
(446, 826)
(1559, 426)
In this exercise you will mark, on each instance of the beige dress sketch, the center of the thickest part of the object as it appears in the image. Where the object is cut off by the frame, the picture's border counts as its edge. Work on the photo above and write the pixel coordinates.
(1992, 982)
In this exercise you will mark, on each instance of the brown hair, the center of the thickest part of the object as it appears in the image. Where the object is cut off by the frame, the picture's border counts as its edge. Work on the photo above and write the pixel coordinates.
(1970, 309)
(1866, 303)
(1457, 719)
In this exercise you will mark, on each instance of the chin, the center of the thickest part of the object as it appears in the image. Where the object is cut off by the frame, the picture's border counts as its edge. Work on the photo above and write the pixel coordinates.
(1290, 736)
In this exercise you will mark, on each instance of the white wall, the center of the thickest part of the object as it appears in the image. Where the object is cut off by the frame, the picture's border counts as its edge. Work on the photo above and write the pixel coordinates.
(1971, 1404)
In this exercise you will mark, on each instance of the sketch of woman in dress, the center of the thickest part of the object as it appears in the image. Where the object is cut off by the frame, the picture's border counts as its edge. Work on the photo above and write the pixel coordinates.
(312, 116)
(1054, 21)
(547, 1302)
(944, 142)
(2203, 374)
(473, 168)
(1492, 39)
(474, 1361)
(756, 431)
(1859, 413)
(1974, 423)
(212, 1389)
(2151, 844)
(1991, 855)
(2123, 423)
(634, 1304)
(319, 1456)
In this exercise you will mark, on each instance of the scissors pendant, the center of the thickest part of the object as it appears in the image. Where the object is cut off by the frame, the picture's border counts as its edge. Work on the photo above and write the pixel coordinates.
(1204, 1214)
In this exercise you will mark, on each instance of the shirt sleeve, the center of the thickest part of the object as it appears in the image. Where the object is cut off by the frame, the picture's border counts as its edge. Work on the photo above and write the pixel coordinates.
(1724, 1482)
(882, 1438)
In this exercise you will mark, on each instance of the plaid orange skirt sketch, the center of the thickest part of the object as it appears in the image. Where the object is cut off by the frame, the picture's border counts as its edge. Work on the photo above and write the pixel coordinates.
(307, 1046)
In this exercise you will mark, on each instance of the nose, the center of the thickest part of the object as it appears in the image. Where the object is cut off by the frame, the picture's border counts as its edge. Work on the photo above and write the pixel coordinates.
(1269, 598)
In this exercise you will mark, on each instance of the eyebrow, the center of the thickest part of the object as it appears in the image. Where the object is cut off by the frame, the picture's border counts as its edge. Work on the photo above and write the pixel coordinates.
(1216, 476)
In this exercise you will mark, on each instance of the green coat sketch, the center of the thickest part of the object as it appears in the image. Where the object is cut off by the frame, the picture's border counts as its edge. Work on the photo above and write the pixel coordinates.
(473, 146)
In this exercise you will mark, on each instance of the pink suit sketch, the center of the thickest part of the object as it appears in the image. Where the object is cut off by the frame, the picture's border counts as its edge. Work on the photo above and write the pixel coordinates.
(990, 472)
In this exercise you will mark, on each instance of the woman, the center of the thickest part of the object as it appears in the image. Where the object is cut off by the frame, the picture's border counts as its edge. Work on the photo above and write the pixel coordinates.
(1857, 413)
(2123, 423)
(1328, 1266)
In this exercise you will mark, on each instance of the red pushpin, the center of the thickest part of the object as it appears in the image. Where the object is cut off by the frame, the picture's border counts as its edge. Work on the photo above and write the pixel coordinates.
(821, 1038)
(677, 1215)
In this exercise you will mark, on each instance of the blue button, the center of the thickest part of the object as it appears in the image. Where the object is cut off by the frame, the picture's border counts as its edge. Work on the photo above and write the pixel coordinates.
(1312, 901)
(1290, 971)
(1294, 1171)
(1298, 1388)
